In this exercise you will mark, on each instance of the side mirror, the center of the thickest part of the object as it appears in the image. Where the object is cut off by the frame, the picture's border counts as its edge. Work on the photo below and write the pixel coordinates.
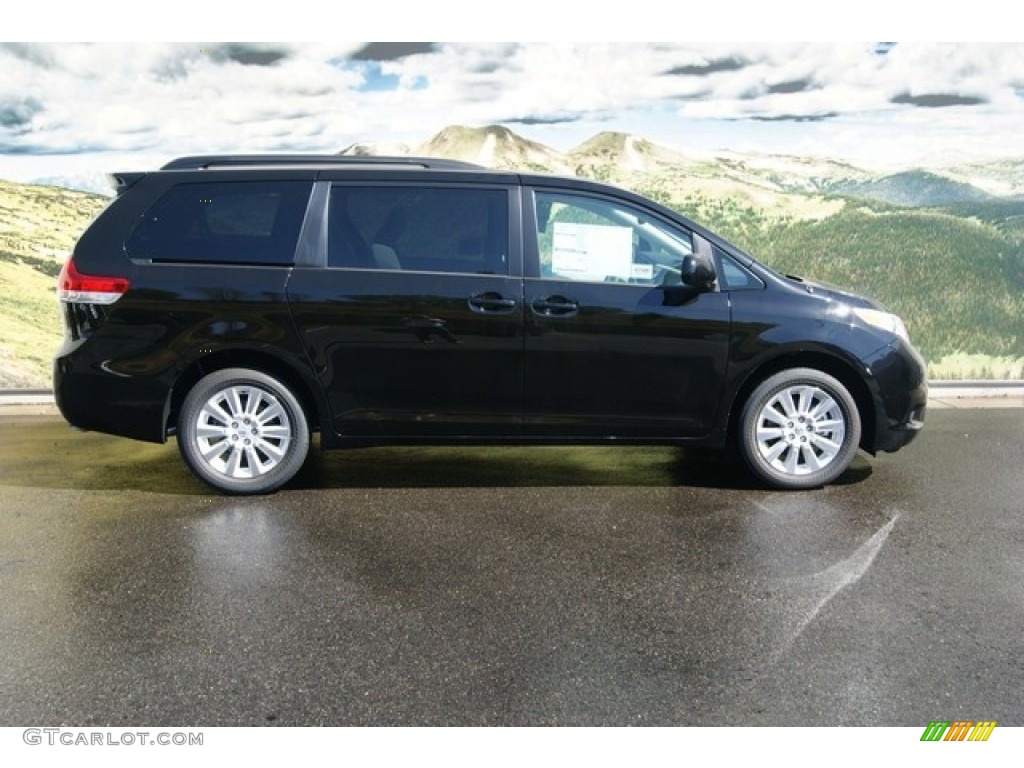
(697, 272)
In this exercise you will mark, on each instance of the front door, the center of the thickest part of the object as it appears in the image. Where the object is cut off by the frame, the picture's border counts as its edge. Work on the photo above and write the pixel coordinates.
(615, 344)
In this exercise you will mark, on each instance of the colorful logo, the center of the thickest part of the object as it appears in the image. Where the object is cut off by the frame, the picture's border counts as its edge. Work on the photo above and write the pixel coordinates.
(958, 730)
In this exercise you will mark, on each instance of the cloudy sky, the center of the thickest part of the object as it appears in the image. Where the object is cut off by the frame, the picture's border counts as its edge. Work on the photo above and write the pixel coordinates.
(81, 109)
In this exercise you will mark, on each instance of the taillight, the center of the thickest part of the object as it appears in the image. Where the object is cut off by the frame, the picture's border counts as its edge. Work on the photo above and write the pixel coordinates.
(73, 286)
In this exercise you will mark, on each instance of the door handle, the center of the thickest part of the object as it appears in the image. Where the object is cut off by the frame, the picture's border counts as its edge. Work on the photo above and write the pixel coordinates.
(491, 302)
(553, 306)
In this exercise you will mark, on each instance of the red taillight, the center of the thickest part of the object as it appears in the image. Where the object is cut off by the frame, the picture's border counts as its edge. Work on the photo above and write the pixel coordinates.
(73, 286)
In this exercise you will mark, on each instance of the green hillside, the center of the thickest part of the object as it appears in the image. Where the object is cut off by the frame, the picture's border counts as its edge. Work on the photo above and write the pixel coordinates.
(912, 188)
(38, 228)
(958, 284)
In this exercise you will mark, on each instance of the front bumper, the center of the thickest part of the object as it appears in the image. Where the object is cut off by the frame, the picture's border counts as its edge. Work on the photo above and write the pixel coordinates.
(900, 390)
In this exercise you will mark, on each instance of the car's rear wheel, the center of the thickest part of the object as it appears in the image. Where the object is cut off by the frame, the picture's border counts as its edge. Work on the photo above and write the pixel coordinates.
(242, 431)
(799, 429)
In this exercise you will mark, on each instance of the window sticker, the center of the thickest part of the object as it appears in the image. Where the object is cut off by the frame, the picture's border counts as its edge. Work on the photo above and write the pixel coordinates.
(642, 271)
(591, 252)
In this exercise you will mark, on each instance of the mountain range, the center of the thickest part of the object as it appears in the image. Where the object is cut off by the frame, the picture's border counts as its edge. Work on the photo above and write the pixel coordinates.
(626, 158)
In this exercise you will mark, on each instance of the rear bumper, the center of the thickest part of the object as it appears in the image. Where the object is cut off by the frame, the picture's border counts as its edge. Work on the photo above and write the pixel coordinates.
(91, 397)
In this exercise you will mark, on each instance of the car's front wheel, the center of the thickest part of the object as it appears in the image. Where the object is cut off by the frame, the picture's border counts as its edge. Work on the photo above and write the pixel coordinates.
(242, 431)
(799, 429)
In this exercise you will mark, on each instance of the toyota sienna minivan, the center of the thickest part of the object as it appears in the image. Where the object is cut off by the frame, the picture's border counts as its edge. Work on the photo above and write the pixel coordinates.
(240, 303)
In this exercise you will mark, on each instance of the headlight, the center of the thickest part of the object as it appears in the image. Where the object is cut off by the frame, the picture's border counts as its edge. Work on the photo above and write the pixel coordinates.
(884, 320)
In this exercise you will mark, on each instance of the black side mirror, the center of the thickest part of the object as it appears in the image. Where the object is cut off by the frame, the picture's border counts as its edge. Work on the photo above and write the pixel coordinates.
(697, 272)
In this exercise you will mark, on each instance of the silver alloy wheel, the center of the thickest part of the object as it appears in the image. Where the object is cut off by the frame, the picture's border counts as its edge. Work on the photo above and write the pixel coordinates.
(242, 432)
(800, 430)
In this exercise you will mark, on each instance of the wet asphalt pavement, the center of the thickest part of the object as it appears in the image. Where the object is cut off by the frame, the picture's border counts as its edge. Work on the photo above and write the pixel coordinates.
(514, 586)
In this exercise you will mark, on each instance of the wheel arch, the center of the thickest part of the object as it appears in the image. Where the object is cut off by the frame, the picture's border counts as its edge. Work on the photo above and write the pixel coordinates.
(305, 391)
(834, 366)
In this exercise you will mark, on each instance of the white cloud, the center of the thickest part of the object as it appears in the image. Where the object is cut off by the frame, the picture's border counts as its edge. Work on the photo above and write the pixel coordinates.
(184, 97)
(169, 99)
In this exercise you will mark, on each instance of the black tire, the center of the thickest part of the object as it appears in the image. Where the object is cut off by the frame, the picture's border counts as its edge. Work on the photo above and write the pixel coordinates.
(242, 431)
(799, 429)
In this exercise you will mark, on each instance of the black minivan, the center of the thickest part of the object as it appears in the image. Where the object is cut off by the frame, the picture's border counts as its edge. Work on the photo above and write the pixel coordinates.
(242, 302)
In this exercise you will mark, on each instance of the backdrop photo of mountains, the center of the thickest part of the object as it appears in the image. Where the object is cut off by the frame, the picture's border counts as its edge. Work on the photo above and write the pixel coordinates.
(942, 247)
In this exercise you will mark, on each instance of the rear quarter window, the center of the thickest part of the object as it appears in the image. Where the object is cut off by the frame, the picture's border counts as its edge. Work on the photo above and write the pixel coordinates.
(243, 222)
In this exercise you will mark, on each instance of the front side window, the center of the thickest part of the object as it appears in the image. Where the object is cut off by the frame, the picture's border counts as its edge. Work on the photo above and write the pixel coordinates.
(243, 222)
(418, 228)
(592, 239)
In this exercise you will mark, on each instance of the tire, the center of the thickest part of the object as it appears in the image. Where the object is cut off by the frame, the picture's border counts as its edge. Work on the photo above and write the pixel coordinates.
(799, 429)
(242, 431)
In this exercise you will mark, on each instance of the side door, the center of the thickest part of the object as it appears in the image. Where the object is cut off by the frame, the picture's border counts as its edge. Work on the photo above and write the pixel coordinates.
(616, 344)
(413, 321)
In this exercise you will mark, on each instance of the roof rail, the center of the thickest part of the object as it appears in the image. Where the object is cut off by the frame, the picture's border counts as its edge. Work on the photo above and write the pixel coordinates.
(203, 162)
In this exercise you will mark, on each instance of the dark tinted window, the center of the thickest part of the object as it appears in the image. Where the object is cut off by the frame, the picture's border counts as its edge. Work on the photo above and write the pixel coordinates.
(244, 222)
(430, 229)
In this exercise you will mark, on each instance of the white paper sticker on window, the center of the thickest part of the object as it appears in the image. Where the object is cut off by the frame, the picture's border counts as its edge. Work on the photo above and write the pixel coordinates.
(591, 252)
(642, 271)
